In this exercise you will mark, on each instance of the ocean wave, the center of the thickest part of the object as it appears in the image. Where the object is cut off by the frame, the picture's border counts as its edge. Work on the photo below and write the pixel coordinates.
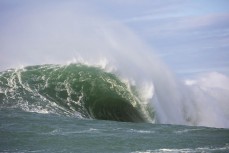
(93, 91)
(89, 92)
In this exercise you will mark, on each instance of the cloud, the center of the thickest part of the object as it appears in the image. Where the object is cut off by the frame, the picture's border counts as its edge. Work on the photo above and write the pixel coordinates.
(172, 24)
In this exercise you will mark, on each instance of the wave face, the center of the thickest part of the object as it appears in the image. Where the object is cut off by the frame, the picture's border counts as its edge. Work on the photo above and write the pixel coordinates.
(86, 91)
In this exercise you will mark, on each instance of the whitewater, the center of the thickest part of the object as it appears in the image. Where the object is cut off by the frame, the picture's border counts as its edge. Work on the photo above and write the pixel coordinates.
(70, 82)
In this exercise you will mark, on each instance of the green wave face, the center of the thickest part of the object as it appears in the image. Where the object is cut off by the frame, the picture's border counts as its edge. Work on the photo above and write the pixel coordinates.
(73, 89)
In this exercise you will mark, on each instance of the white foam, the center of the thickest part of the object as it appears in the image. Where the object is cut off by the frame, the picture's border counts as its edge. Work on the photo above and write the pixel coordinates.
(140, 131)
(187, 150)
(187, 130)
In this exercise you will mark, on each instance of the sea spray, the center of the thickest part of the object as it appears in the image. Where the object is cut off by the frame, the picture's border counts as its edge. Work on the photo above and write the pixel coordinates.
(209, 94)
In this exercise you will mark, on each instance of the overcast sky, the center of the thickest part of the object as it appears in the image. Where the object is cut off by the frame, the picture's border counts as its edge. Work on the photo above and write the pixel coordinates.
(190, 36)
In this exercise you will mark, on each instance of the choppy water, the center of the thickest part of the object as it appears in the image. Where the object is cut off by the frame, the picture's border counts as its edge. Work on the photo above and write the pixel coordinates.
(22, 131)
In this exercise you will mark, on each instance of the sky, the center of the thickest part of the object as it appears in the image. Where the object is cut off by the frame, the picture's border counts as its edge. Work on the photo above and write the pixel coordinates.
(189, 36)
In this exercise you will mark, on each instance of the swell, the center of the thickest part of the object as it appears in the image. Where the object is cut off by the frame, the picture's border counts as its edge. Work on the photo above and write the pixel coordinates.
(86, 91)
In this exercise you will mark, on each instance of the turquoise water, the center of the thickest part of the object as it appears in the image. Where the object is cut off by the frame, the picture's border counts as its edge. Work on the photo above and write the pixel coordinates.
(79, 108)
(22, 131)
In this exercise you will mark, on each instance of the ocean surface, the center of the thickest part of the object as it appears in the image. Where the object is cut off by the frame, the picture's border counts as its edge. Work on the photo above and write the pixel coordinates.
(82, 108)
(22, 131)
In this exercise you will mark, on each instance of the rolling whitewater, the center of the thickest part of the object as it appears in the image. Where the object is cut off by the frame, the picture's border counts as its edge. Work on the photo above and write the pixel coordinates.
(64, 108)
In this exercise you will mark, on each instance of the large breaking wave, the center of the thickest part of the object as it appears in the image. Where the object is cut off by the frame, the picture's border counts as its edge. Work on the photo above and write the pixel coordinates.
(74, 89)
(119, 78)
(93, 92)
